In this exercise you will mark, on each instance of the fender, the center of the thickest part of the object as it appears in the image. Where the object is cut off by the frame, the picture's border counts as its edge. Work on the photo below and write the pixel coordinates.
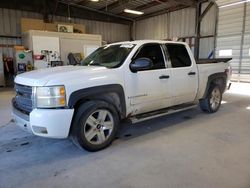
(107, 93)
(212, 78)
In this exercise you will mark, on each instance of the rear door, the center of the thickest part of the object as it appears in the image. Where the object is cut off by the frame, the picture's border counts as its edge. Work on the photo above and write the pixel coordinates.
(184, 83)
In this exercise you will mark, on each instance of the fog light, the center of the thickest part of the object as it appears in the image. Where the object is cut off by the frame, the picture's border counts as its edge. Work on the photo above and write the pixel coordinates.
(40, 130)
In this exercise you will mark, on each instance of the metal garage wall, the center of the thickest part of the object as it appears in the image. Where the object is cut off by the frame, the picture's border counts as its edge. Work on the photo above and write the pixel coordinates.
(226, 2)
(152, 28)
(111, 32)
(246, 44)
(234, 35)
(10, 25)
(208, 26)
(209, 21)
(182, 23)
(206, 47)
(179, 23)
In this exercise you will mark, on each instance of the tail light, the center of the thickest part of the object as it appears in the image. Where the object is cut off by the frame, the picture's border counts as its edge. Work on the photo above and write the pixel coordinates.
(228, 71)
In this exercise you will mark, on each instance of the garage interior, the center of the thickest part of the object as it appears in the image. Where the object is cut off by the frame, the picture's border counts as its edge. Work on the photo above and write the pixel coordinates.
(186, 149)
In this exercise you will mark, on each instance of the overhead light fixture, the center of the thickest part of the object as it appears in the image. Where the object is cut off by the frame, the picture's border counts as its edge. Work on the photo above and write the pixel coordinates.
(133, 12)
(233, 4)
(94, 0)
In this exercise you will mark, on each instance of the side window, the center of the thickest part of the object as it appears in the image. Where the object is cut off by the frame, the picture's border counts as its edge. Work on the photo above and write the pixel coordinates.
(153, 52)
(178, 55)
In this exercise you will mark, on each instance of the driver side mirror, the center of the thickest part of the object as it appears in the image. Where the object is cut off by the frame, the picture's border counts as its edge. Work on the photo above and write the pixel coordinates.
(141, 64)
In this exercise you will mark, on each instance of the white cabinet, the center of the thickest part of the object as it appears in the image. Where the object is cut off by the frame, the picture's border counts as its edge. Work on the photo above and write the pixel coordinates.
(63, 43)
(40, 43)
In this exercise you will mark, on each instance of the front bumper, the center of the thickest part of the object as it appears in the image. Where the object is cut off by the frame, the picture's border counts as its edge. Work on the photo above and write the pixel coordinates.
(52, 123)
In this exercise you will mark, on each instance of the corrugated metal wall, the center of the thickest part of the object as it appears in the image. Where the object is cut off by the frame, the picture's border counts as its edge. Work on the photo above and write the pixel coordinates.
(208, 25)
(234, 35)
(179, 24)
(226, 2)
(182, 23)
(209, 21)
(111, 32)
(10, 25)
(10, 22)
(152, 28)
(246, 45)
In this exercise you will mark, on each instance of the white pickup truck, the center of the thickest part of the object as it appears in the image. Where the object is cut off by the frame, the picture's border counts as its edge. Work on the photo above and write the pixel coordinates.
(135, 80)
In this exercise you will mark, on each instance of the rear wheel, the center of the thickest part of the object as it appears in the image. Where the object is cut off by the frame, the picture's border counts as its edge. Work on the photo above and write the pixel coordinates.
(212, 102)
(95, 125)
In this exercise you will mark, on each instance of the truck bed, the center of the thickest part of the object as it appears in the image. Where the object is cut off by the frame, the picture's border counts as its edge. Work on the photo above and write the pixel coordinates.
(215, 60)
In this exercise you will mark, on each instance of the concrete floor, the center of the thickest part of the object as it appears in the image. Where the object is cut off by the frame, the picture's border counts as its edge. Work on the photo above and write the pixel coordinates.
(190, 149)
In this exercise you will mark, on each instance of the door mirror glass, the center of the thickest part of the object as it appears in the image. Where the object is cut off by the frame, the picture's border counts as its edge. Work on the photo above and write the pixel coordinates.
(141, 64)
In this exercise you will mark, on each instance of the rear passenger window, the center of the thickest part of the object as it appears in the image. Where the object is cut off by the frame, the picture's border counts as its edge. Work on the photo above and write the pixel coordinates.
(178, 55)
(153, 52)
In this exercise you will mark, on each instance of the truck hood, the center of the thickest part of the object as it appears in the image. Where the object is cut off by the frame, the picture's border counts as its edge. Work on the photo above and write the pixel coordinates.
(43, 76)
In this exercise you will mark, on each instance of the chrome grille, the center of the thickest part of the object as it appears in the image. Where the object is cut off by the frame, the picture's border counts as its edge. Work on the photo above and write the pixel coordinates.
(23, 98)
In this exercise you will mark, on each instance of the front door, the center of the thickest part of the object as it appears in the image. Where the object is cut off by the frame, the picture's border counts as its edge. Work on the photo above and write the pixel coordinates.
(149, 90)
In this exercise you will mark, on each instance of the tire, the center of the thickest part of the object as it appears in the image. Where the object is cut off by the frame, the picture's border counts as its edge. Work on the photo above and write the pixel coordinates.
(212, 102)
(95, 125)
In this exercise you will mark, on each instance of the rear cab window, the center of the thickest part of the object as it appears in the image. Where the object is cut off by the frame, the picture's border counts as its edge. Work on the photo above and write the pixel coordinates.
(178, 55)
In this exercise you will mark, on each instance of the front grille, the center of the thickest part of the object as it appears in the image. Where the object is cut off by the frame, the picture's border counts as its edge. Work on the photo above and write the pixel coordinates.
(23, 98)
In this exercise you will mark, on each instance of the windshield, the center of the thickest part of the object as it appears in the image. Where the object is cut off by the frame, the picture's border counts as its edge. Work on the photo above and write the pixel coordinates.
(110, 56)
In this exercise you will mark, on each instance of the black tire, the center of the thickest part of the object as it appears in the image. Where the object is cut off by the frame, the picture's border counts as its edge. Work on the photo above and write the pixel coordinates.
(79, 126)
(206, 105)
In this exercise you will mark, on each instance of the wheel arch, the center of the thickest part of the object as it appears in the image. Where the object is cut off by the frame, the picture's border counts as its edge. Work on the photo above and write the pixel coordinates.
(217, 79)
(112, 94)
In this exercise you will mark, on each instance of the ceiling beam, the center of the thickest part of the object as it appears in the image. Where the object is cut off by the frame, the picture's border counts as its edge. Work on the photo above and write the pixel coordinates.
(169, 4)
(148, 5)
(95, 12)
(112, 6)
(171, 9)
(155, 3)
(166, 3)
(83, 3)
(206, 10)
(186, 2)
(76, 11)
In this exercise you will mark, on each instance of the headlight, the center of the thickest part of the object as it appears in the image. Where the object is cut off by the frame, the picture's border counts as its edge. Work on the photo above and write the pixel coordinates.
(50, 97)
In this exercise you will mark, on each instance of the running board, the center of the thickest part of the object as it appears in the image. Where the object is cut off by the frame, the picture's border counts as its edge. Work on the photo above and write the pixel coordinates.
(159, 113)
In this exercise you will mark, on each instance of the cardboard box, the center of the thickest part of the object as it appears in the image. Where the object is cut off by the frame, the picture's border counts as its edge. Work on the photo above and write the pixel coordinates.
(19, 48)
(31, 24)
(36, 24)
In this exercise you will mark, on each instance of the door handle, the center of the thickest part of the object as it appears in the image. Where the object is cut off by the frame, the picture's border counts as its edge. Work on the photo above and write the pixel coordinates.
(192, 73)
(164, 77)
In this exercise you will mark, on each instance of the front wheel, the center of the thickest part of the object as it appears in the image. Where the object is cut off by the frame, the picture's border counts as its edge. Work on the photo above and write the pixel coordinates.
(212, 101)
(95, 125)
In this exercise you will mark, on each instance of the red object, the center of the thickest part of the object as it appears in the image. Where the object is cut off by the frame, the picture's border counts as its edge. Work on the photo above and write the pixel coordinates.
(38, 57)
(8, 65)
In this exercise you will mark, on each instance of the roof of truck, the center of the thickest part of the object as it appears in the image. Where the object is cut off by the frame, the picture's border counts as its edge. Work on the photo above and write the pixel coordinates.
(140, 42)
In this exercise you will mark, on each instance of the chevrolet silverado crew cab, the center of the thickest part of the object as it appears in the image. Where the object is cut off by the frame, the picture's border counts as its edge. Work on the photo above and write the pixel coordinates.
(135, 80)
